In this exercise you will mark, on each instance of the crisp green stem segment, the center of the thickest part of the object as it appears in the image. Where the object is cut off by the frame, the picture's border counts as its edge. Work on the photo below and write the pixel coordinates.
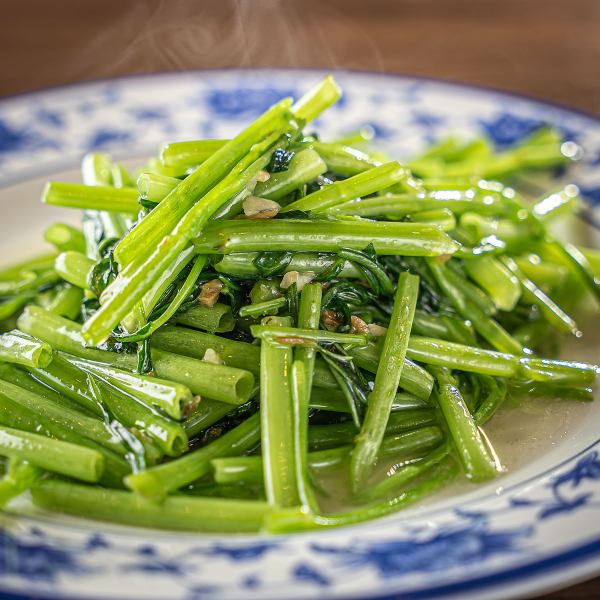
(214, 319)
(553, 313)
(242, 265)
(42, 401)
(317, 100)
(303, 168)
(344, 160)
(387, 380)
(363, 184)
(277, 426)
(219, 382)
(457, 293)
(167, 396)
(309, 315)
(298, 235)
(22, 417)
(155, 483)
(155, 187)
(395, 483)
(476, 455)
(408, 444)
(321, 437)
(268, 307)
(75, 268)
(294, 336)
(65, 237)
(492, 276)
(66, 301)
(67, 459)
(140, 242)
(185, 513)
(20, 476)
(287, 521)
(91, 197)
(22, 349)
(185, 155)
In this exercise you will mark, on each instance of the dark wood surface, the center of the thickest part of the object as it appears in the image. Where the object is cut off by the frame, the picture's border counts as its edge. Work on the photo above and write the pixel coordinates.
(544, 48)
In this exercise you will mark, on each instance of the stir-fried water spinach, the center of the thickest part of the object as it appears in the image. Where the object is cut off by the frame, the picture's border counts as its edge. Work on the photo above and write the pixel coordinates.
(262, 316)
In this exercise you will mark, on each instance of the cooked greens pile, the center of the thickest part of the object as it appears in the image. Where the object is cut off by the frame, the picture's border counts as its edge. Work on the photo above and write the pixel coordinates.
(257, 318)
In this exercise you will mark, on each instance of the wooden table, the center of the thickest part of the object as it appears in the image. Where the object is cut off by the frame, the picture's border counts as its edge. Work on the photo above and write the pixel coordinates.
(545, 48)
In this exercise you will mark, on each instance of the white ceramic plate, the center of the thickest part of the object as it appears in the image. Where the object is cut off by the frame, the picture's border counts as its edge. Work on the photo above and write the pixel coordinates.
(534, 529)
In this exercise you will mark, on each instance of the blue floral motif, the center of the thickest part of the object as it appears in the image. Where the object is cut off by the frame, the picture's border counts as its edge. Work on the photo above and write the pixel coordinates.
(107, 137)
(309, 573)
(591, 193)
(246, 552)
(15, 139)
(243, 102)
(507, 128)
(50, 117)
(449, 547)
(36, 560)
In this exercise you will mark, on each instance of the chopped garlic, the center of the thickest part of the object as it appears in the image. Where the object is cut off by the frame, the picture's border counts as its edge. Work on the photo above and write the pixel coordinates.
(300, 279)
(209, 293)
(263, 176)
(260, 208)
(212, 356)
(358, 325)
(377, 330)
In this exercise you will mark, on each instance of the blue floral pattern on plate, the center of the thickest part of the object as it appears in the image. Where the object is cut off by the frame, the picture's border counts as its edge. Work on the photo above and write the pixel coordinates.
(536, 517)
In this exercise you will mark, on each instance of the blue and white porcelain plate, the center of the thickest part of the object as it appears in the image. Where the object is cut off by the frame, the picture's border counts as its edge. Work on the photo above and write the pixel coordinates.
(534, 529)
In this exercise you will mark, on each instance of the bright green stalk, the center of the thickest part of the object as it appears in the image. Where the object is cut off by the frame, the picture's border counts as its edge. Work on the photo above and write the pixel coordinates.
(72, 377)
(441, 217)
(249, 469)
(277, 425)
(20, 476)
(141, 241)
(398, 206)
(67, 459)
(489, 329)
(19, 416)
(317, 100)
(286, 521)
(214, 319)
(309, 315)
(154, 187)
(404, 239)
(363, 184)
(476, 456)
(75, 267)
(413, 378)
(295, 336)
(321, 437)
(9, 306)
(496, 394)
(188, 285)
(65, 237)
(220, 382)
(344, 160)
(207, 413)
(185, 155)
(155, 483)
(28, 267)
(303, 168)
(268, 307)
(242, 265)
(233, 353)
(334, 400)
(544, 274)
(167, 396)
(91, 197)
(49, 412)
(491, 275)
(22, 349)
(176, 512)
(387, 380)
(443, 327)
(395, 483)
(66, 301)
(555, 315)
